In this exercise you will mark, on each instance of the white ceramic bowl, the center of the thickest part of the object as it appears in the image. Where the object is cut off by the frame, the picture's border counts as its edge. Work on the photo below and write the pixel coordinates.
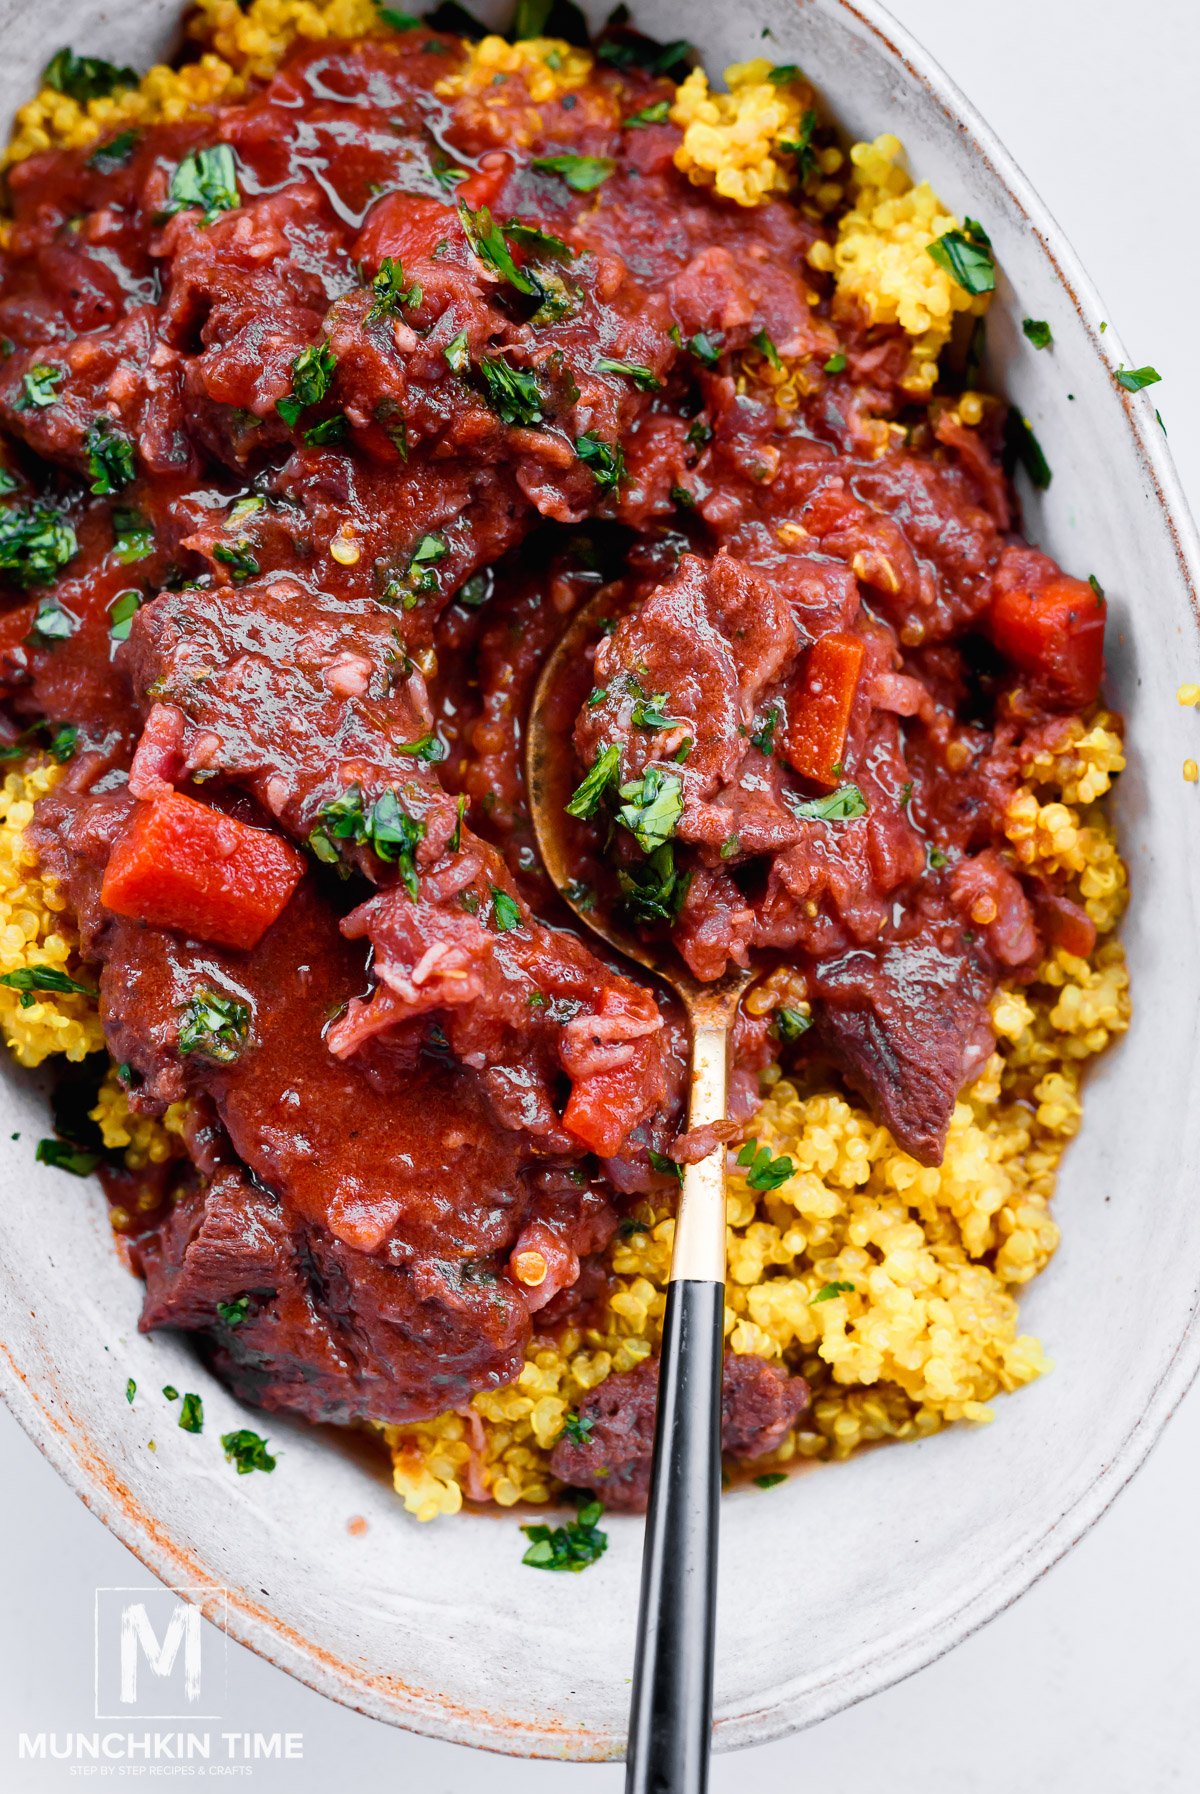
(846, 1579)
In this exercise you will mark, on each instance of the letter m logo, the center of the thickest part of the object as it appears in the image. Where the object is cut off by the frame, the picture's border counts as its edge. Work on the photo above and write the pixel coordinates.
(157, 1655)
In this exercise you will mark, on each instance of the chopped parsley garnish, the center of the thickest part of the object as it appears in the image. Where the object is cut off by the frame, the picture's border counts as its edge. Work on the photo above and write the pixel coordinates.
(762, 1171)
(232, 1314)
(426, 747)
(109, 458)
(790, 1024)
(705, 348)
(571, 1547)
(625, 49)
(191, 1414)
(652, 807)
(214, 1025)
(52, 623)
(84, 78)
(605, 459)
(665, 1166)
(765, 346)
(170, 1391)
(458, 354)
(763, 737)
(579, 895)
(29, 979)
(1095, 585)
(966, 255)
(37, 387)
(536, 241)
(829, 1290)
(65, 1156)
(121, 613)
(604, 770)
(390, 292)
(583, 174)
(836, 363)
(506, 912)
(396, 21)
(384, 826)
(130, 1390)
(839, 806)
(419, 576)
(643, 378)
(1022, 448)
(935, 859)
(312, 377)
(513, 393)
(206, 180)
(35, 543)
(577, 1428)
(329, 431)
(648, 713)
(247, 1450)
(784, 73)
(1132, 379)
(630, 1226)
(801, 146)
(60, 746)
(658, 113)
(770, 1479)
(699, 432)
(239, 558)
(115, 153)
(488, 244)
(133, 538)
(654, 891)
(1038, 332)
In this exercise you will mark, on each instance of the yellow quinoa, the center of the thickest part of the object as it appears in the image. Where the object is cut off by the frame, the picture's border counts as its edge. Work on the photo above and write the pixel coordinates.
(144, 1139)
(733, 141)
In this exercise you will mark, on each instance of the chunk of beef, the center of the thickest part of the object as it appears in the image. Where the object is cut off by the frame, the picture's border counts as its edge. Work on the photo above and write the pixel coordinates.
(760, 1402)
(907, 1025)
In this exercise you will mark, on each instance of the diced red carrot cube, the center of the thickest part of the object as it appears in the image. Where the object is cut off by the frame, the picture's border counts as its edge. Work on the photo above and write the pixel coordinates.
(1054, 633)
(184, 866)
(819, 708)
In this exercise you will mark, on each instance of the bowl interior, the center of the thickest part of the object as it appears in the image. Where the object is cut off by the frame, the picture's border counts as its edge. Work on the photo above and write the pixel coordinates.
(843, 1579)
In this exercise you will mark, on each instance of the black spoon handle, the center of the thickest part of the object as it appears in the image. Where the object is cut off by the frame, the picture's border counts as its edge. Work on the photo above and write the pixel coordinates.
(670, 1721)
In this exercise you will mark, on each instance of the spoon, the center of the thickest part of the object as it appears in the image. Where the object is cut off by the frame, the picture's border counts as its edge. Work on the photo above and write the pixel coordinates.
(670, 1722)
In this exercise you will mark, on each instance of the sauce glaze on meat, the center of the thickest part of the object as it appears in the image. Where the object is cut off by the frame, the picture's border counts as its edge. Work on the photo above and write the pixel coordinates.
(441, 1082)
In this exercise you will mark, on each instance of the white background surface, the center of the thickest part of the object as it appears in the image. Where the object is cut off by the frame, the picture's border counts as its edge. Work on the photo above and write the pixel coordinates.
(1090, 1683)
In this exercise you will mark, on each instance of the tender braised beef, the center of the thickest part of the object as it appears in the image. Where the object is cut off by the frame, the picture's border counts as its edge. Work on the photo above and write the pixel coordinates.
(303, 487)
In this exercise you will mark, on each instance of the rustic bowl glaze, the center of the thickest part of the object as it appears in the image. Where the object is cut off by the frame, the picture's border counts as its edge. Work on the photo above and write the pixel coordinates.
(845, 1579)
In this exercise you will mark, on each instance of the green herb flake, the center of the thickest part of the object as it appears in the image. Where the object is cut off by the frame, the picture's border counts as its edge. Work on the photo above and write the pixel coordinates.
(458, 353)
(109, 458)
(170, 1391)
(247, 1450)
(239, 558)
(654, 891)
(765, 346)
(651, 713)
(65, 1156)
(935, 859)
(133, 538)
(762, 1171)
(51, 624)
(1132, 379)
(121, 613)
(582, 174)
(37, 387)
(1095, 585)
(384, 826)
(571, 1547)
(657, 113)
(30, 979)
(829, 1290)
(205, 181)
(506, 912)
(603, 772)
(1022, 449)
(652, 807)
(801, 146)
(763, 737)
(130, 1391)
(538, 242)
(488, 244)
(836, 363)
(770, 1479)
(790, 1024)
(606, 460)
(643, 378)
(329, 432)
(36, 543)
(191, 1414)
(577, 1428)
(966, 257)
(513, 393)
(312, 376)
(214, 1025)
(665, 1166)
(429, 748)
(784, 73)
(840, 805)
(1038, 332)
(232, 1314)
(84, 78)
(705, 348)
(390, 292)
(396, 21)
(115, 153)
